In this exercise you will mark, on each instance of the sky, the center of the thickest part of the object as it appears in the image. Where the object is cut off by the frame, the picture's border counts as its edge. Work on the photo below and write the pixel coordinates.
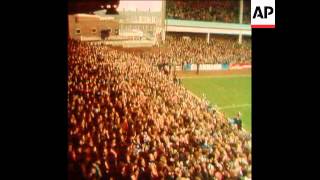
(144, 5)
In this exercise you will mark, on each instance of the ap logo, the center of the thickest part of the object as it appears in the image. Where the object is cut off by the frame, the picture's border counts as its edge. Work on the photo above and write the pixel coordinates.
(263, 13)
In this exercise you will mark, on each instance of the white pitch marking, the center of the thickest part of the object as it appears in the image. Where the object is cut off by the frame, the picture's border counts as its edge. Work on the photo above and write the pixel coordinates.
(235, 106)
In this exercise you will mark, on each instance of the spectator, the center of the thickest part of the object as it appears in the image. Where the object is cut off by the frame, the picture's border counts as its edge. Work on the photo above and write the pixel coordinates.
(220, 50)
(208, 10)
(129, 119)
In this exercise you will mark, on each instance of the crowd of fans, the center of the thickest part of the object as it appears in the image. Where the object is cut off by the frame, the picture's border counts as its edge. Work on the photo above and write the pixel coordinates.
(128, 120)
(208, 10)
(246, 12)
(220, 50)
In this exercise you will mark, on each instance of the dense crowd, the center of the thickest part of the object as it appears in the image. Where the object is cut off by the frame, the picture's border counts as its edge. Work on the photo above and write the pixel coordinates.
(246, 12)
(208, 10)
(128, 120)
(180, 51)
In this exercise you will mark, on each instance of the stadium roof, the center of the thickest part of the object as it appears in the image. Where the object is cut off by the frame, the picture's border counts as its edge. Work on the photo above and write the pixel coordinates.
(207, 24)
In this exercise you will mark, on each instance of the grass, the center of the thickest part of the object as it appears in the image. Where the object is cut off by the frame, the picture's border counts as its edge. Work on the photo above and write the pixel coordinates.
(230, 93)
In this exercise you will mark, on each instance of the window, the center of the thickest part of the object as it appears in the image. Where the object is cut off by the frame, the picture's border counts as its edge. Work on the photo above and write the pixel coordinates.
(78, 31)
(94, 30)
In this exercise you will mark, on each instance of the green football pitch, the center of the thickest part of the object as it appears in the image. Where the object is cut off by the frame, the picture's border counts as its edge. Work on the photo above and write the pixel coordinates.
(231, 94)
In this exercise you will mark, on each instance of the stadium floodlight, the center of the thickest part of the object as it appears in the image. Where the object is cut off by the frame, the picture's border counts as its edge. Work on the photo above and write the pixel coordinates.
(115, 6)
(108, 6)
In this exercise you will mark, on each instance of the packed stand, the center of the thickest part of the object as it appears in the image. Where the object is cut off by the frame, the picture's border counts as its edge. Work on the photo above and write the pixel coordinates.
(220, 50)
(246, 12)
(207, 10)
(128, 120)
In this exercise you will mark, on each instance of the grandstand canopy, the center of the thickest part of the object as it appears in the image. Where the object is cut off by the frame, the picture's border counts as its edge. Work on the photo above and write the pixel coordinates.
(205, 24)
